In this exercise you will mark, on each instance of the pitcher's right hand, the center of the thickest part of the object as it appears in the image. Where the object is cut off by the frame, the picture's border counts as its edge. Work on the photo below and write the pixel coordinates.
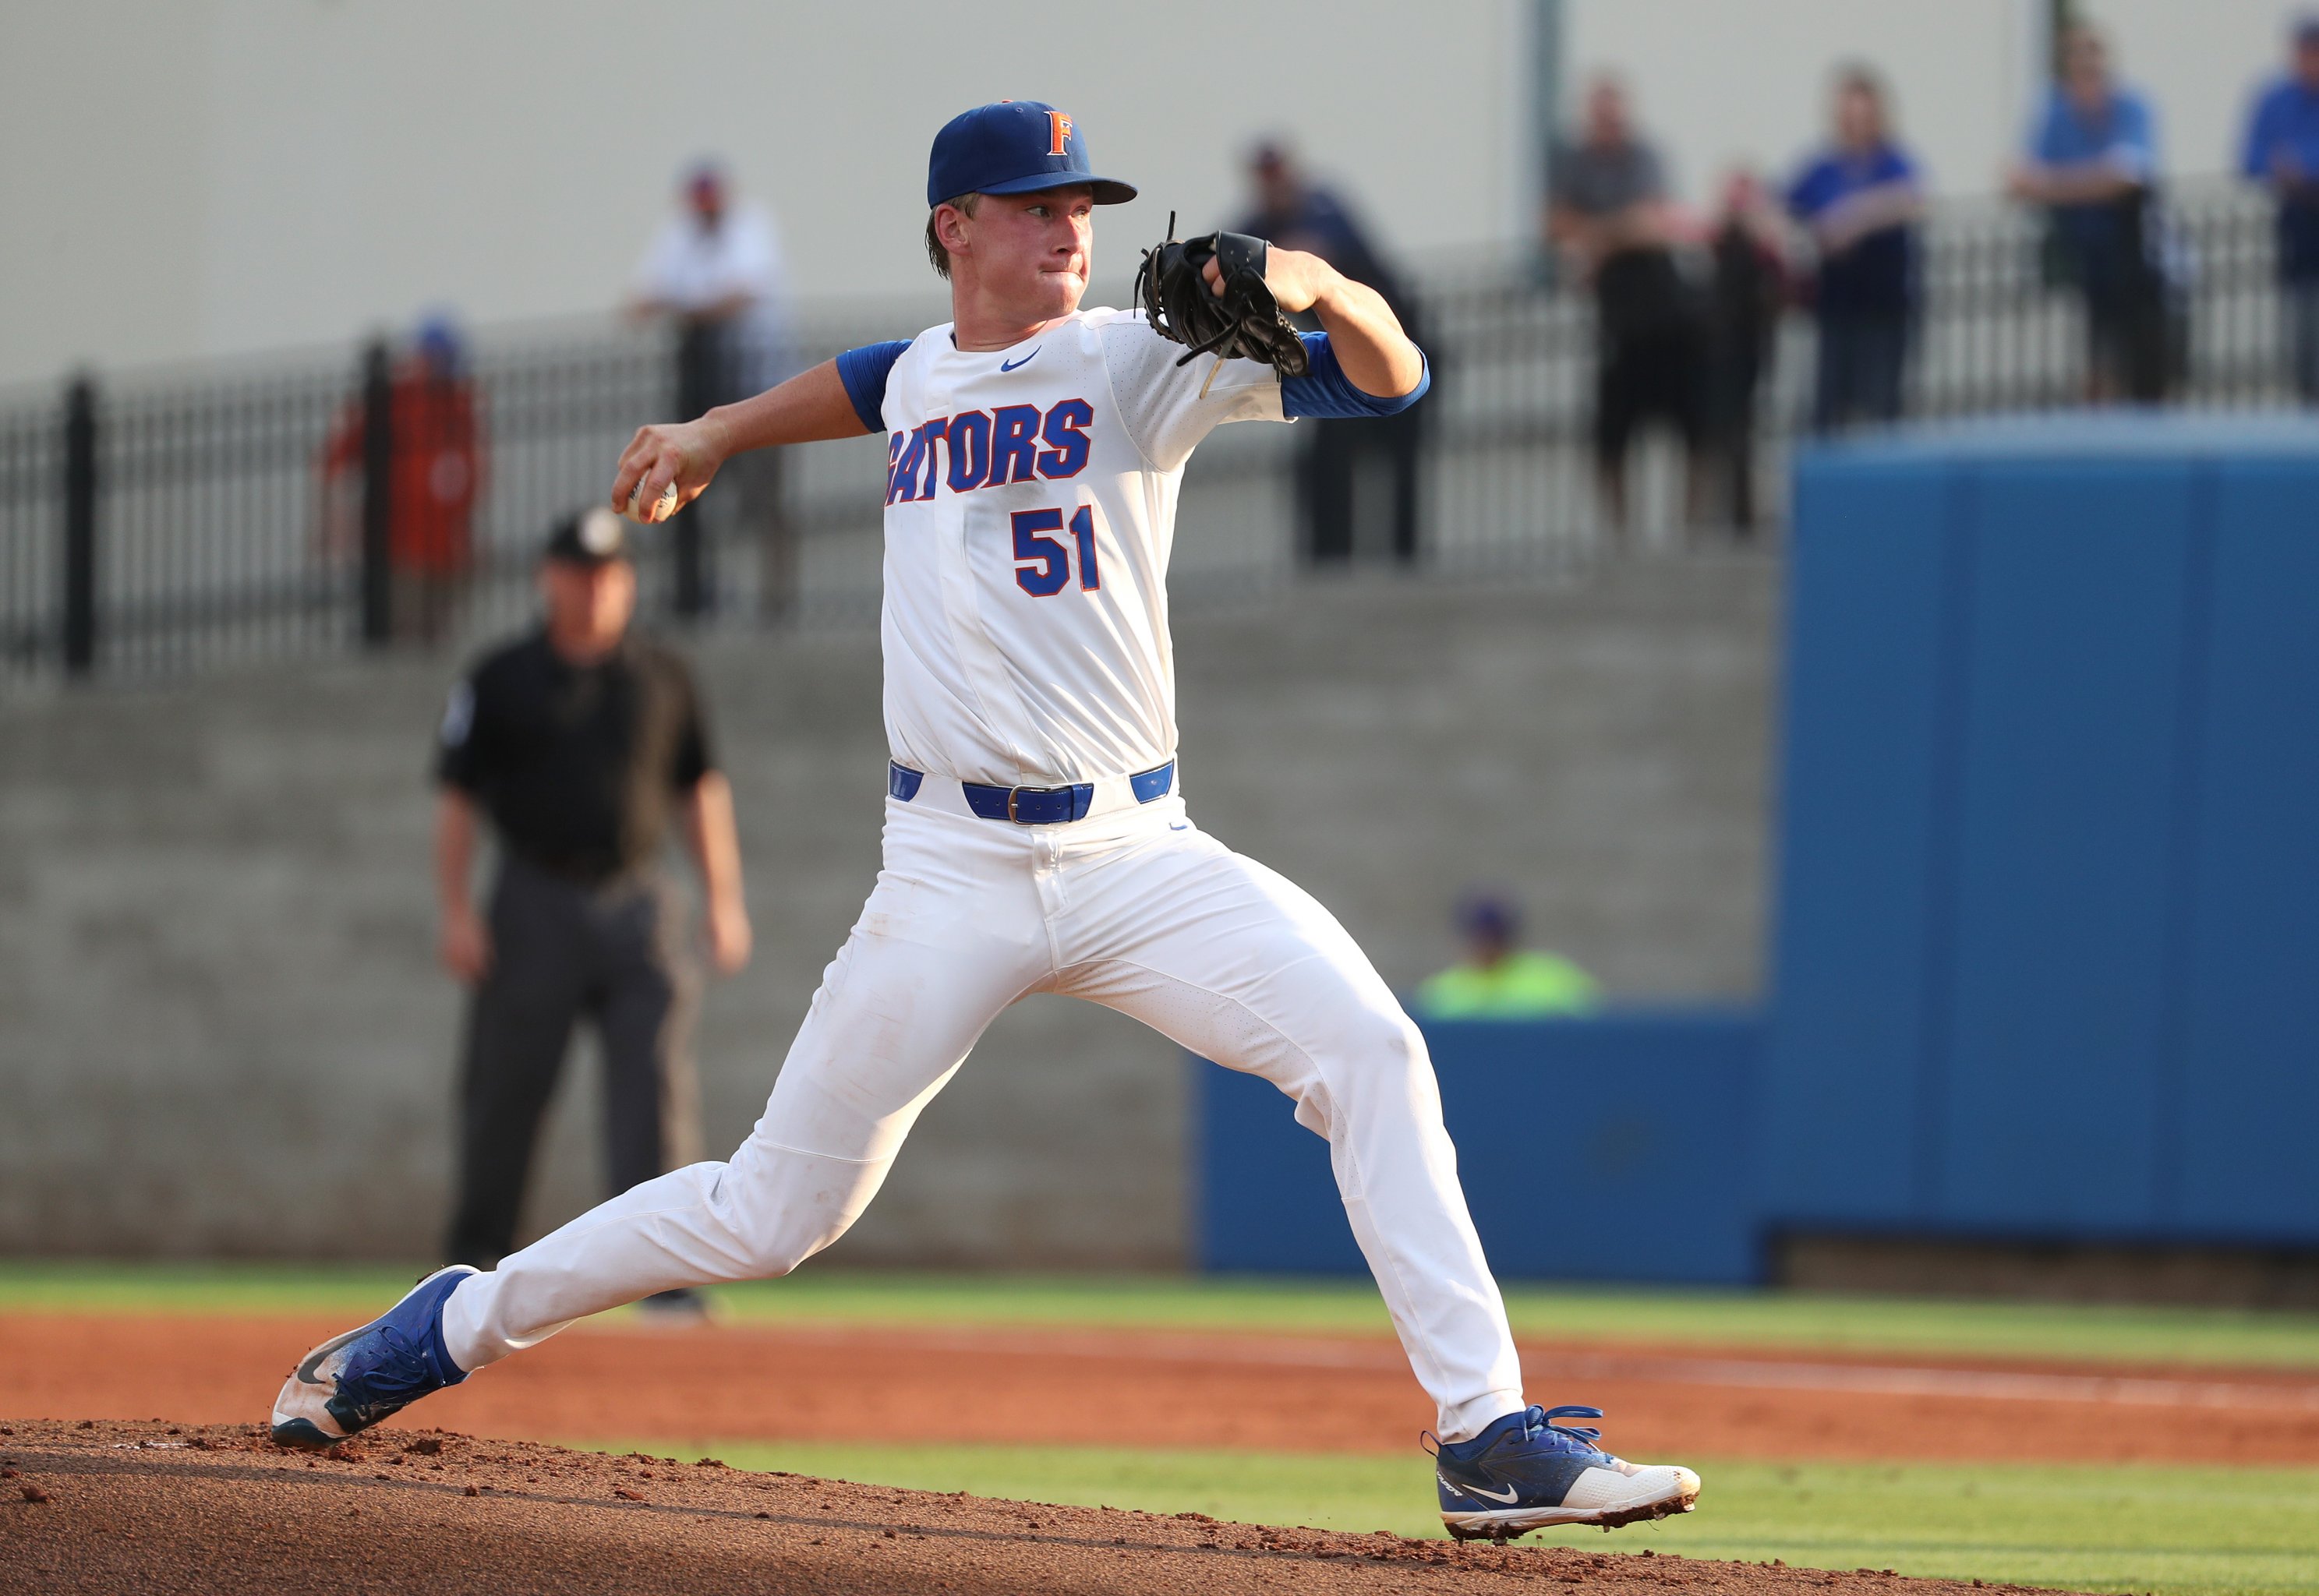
(684, 454)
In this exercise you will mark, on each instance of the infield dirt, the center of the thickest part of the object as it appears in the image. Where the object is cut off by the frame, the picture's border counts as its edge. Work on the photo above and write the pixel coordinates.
(154, 1507)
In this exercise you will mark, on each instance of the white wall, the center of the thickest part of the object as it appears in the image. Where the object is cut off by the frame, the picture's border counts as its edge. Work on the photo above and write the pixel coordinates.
(1719, 83)
(102, 158)
(274, 172)
(1746, 80)
(204, 177)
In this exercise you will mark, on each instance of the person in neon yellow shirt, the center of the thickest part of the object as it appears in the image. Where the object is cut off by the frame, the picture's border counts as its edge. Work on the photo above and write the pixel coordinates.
(1501, 980)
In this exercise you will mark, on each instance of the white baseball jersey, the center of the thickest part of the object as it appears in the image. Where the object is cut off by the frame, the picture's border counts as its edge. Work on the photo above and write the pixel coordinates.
(1030, 513)
(1030, 503)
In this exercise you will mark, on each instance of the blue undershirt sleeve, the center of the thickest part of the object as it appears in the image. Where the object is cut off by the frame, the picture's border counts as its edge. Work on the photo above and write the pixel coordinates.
(863, 372)
(1326, 391)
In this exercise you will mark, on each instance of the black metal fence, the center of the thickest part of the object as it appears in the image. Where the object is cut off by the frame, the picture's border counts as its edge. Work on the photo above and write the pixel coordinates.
(161, 522)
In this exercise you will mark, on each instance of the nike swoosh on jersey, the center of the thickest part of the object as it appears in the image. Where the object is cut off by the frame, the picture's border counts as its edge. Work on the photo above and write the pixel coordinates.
(1011, 364)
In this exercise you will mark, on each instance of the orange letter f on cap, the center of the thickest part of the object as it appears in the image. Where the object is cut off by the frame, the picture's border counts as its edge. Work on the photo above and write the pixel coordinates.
(1059, 126)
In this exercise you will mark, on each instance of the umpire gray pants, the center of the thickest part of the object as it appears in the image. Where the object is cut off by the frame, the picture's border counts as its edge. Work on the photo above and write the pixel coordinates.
(562, 950)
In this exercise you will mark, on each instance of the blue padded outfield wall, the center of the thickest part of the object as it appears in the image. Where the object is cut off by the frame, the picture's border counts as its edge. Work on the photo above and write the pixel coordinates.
(1614, 1149)
(2048, 944)
(2046, 953)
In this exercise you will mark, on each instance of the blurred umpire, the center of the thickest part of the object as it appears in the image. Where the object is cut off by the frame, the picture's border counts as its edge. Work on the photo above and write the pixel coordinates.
(579, 740)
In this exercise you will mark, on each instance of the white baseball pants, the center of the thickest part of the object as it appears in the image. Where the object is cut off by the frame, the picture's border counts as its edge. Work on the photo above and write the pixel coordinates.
(1136, 909)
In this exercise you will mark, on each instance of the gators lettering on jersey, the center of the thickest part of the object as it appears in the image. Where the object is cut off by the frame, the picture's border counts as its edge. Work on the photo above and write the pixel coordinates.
(1030, 513)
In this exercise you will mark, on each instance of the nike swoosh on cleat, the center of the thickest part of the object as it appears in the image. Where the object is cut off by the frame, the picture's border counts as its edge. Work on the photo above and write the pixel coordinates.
(1489, 1495)
(309, 1372)
(1011, 364)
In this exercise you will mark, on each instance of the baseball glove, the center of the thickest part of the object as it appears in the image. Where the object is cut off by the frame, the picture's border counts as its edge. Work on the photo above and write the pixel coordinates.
(1242, 323)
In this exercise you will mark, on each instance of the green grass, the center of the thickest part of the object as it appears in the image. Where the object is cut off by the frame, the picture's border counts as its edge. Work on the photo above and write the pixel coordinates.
(98, 1287)
(2188, 1531)
(1766, 1320)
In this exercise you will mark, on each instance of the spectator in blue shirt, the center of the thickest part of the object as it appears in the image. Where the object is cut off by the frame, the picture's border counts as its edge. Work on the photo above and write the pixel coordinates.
(2282, 150)
(2092, 162)
(1297, 214)
(1860, 200)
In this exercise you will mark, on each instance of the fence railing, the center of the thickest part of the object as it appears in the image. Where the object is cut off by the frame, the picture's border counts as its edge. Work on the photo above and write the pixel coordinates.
(158, 523)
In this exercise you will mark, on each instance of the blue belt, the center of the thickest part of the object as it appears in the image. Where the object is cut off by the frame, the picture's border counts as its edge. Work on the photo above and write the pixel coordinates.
(1034, 806)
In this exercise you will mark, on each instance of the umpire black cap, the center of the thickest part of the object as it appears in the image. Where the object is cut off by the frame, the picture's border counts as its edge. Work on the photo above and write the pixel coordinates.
(595, 537)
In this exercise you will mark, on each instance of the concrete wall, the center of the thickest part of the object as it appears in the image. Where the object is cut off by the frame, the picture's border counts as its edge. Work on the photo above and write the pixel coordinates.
(221, 1029)
(215, 176)
(1723, 85)
(219, 176)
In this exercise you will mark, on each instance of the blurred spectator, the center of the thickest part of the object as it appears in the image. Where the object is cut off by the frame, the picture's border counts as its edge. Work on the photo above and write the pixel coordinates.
(436, 477)
(2093, 163)
(1751, 290)
(1860, 200)
(715, 269)
(1498, 980)
(1297, 214)
(2282, 150)
(1608, 210)
(579, 741)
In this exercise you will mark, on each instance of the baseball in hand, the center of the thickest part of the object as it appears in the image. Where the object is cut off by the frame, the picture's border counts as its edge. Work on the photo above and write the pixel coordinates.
(660, 512)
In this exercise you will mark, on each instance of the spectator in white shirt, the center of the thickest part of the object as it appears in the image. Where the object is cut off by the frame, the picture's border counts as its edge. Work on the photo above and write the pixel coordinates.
(716, 270)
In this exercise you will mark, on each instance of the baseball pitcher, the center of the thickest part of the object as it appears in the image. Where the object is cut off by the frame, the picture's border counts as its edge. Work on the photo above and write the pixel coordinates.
(1036, 836)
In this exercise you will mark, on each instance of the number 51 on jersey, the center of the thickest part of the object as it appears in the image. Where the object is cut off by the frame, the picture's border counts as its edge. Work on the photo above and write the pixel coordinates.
(1042, 564)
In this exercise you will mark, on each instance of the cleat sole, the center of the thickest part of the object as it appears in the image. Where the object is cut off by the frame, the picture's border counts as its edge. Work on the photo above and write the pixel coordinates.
(304, 1434)
(1503, 1527)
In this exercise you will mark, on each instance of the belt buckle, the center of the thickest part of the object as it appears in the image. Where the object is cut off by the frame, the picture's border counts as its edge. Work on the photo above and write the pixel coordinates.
(1011, 816)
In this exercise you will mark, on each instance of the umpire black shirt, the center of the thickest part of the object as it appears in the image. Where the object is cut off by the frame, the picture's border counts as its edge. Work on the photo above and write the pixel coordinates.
(576, 765)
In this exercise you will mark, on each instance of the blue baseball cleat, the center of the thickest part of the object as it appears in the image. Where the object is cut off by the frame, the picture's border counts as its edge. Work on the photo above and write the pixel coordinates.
(1526, 1472)
(351, 1382)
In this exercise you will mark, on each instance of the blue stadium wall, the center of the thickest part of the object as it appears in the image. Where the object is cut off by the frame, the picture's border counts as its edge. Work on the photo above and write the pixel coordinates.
(1615, 1149)
(2046, 958)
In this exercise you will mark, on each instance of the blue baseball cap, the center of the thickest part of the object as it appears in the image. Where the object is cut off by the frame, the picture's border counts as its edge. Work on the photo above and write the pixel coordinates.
(1482, 914)
(436, 339)
(1015, 147)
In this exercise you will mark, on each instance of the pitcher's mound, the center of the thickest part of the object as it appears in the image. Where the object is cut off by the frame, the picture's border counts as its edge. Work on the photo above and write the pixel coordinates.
(156, 1506)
